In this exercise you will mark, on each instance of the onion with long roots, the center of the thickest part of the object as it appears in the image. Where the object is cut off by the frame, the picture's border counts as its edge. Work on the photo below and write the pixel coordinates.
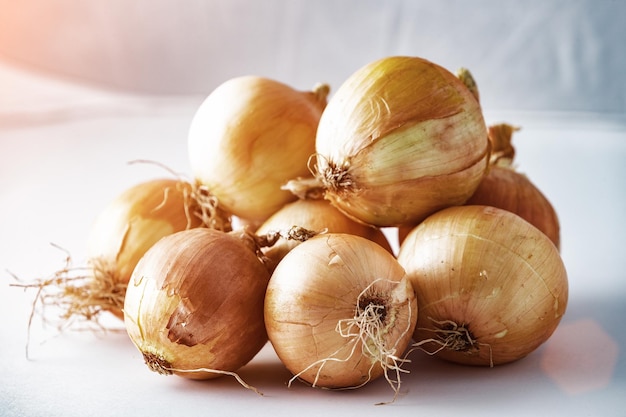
(340, 312)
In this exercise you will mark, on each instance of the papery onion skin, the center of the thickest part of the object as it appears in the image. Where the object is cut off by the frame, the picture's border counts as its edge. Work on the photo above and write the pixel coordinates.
(249, 137)
(510, 190)
(489, 272)
(318, 284)
(505, 188)
(400, 139)
(317, 216)
(195, 301)
(132, 222)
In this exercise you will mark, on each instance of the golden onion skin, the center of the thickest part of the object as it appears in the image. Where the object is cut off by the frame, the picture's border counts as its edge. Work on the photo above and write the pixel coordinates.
(316, 216)
(505, 188)
(399, 140)
(195, 301)
(249, 137)
(489, 272)
(316, 285)
(136, 219)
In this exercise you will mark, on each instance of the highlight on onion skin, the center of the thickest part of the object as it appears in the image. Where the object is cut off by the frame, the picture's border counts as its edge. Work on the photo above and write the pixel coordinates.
(400, 139)
(313, 215)
(194, 305)
(340, 312)
(491, 287)
(249, 137)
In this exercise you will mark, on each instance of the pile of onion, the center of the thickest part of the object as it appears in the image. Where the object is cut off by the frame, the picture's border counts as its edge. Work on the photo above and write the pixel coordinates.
(249, 137)
(401, 138)
(490, 286)
(403, 143)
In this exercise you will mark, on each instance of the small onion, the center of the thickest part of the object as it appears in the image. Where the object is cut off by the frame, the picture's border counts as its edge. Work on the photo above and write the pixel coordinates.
(340, 311)
(313, 215)
(123, 231)
(250, 136)
(400, 139)
(194, 305)
(490, 286)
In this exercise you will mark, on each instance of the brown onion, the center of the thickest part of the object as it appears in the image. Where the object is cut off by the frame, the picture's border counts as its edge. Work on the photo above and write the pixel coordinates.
(194, 305)
(490, 286)
(400, 139)
(340, 312)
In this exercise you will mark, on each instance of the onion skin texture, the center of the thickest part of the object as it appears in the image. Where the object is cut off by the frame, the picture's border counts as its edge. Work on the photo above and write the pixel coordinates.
(134, 221)
(510, 190)
(316, 285)
(195, 301)
(249, 137)
(316, 216)
(400, 139)
(492, 273)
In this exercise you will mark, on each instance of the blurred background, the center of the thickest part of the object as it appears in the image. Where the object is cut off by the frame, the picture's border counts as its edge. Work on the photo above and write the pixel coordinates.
(537, 55)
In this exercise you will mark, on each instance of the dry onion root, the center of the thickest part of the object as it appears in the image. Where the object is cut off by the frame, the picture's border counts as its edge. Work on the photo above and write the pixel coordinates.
(125, 229)
(340, 312)
(194, 305)
(490, 286)
(401, 138)
(249, 137)
(316, 215)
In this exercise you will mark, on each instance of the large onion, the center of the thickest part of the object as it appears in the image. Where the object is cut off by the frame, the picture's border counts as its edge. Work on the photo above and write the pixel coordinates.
(250, 136)
(490, 286)
(194, 305)
(400, 139)
(340, 312)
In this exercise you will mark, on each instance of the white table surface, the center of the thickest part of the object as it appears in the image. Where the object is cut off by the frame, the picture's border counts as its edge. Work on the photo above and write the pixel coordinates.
(64, 153)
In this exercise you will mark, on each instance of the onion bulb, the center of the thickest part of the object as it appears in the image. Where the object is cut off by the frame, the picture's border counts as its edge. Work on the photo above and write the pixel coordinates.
(340, 312)
(490, 286)
(194, 304)
(250, 136)
(123, 231)
(312, 215)
(401, 138)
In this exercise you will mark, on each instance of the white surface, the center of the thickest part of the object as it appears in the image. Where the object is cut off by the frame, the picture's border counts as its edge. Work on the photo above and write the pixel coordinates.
(64, 150)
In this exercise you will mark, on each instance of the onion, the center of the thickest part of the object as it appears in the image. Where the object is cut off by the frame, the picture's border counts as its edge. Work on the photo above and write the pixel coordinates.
(400, 139)
(125, 229)
(250, 136)
(194, 305)
(490, 286)
(340, 312)
(313, 215)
